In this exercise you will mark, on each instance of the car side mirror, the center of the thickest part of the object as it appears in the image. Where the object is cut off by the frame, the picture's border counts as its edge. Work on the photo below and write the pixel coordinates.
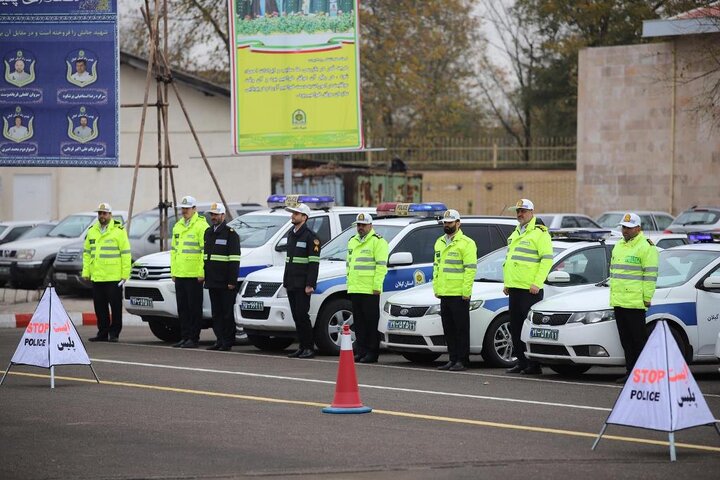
(558, 276)
(281, 245)
(152, 238)
(712, 283)
(400, 258)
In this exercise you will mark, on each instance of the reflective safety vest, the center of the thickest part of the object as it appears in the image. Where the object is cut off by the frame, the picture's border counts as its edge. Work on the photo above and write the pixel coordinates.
(529, 257)
(366, 263)
(633, 272)
(186, 254)
(106, 254)
(454, 266)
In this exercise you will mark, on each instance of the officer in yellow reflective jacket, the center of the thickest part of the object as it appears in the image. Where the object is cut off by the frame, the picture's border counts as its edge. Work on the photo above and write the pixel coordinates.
(366, 269)
(633, 274)
(106, 263)
(187, 270)
(454, 270)
(527, 264)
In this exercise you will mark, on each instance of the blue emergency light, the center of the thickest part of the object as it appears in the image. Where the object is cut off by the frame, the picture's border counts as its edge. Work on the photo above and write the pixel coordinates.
(700, 237)
(394, 209)
(315, 202)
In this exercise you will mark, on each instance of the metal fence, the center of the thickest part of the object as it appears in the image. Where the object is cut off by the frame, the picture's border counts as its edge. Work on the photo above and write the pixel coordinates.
(463, 153)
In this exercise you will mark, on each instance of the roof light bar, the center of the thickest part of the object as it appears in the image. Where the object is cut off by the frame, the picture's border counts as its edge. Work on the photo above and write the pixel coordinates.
(394, 209)
(315, 202)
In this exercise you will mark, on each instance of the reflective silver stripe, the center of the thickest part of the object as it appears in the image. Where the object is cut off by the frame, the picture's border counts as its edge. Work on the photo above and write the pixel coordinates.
(647, 278)
(471, 266)
(109, 248)
(632, 268)
(650, 269)
(453, 262)
(364, 267)
(87, 250)
(122, 252)
(191, 244)
(364, 259)
(234, 258)
(625, 276)
(526, 250)
(219, 258)
(453, 270)
(525, 259)
(547, 257)
(380, 263)
(191, 251)
(109, 255)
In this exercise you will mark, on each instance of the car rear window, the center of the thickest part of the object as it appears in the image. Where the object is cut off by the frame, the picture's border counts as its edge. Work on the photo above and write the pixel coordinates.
(697, 217)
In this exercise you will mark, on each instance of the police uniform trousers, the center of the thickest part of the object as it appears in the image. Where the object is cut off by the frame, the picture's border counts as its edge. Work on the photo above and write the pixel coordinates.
(104, 294)
(189, 296)
(633, 333)
(520, 301)
(455, 316)
(366, 315)
(222, 301)
(300, 306)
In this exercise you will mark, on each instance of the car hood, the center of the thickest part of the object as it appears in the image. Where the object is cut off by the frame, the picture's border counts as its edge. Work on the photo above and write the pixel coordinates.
(270, 274)
(41, 244)
(423, 295)
(158, 259)
(587, 299)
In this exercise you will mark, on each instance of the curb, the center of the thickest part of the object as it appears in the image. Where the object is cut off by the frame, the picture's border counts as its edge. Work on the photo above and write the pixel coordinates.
(22, 320)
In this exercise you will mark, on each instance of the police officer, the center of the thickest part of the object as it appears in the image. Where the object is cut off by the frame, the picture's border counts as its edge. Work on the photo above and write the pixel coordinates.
(222, 259)
(187, 270)
(366, 269)
(633, 273)
(527, 264)
(106, 262)
(454, 270)
(300, 277)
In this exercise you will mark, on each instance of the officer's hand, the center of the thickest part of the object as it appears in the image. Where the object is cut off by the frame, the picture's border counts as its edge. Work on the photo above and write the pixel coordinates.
(534, 290)
(376, 292)
(231, 286)
(466, 298)
(173, 279)
(309, 290)
(201, 279)
(647, 304)
(506, 291)
(86, 278)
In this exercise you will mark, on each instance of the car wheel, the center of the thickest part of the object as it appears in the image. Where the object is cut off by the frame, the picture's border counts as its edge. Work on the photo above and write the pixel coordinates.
(497, 348)
(270, 344)
(164, 329)
(420, 357)
(570, 370)
(329, 324)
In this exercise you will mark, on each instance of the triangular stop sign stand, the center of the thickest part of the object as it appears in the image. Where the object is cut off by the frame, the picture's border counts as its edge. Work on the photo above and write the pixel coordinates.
(661, 392)
(50, 339)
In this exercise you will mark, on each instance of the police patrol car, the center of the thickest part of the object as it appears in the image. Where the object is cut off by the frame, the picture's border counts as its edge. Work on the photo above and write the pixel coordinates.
(410, 230)
(410, 321)
(150, 292)
(572, 332)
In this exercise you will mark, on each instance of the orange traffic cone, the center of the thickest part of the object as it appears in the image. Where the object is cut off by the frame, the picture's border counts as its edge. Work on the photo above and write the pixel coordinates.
(347, 396)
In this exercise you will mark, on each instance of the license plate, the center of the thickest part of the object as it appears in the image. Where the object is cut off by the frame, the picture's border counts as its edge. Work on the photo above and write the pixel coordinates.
(141, 302)
(252, 305)
(4, 270)
(60, 276)
(402, 325)
(544, 333)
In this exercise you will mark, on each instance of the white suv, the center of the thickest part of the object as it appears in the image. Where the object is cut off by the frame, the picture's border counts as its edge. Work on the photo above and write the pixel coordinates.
(150, 292)
(264, 312)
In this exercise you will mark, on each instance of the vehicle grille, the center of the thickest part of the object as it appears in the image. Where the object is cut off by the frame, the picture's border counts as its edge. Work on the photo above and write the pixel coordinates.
(150, 273)
(67, 256)
(406, 339)
(553, 318)
(153, 293)
(261, 289)
(8, 253)
(395, 311)
(542, 349)
(256, 314)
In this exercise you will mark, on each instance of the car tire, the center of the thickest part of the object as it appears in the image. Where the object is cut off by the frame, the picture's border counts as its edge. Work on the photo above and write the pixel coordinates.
(329, 323)
(497, 348)
(270, 344)
(164, 329)
(420, 357)
(569, 370)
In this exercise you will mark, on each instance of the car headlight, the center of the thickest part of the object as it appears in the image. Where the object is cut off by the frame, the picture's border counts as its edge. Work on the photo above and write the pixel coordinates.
(282, 293)
(386, 307)
(592, 317)
(25, 254)
(475, 304)
(433, 310)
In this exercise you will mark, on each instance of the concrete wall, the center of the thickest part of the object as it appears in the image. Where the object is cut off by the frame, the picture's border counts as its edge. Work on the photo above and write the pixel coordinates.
(76, 189)
(646, 139)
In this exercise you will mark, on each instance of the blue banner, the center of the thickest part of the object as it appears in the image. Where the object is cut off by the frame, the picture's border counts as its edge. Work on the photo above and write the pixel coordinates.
(59, 83)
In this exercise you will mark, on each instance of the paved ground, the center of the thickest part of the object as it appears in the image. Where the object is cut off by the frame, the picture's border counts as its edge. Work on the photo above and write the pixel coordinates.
(166, 413)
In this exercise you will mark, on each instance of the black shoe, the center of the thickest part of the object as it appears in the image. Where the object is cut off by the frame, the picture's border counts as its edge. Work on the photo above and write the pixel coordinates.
(179, 344)
(358, 357)
(189, 344)
(307, 353)
(296, 353)
(515, 369)
(98, 339)
(225, 348)
(213, 347)
(369, 359)
(534, 370)
(623, 379)
(446, 366)
(457, 367)
(113, 339)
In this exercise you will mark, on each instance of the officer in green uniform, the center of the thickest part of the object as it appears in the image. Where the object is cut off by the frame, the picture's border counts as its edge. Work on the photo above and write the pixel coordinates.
(187, 271)
(454, 270)
(106, 263)
(633, 273)
(527, 264)
(366, 269)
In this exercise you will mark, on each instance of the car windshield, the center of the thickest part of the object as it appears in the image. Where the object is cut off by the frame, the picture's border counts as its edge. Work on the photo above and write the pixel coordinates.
(490, 267)
(142, 223)
(72, 226)
(256, 230)
(336, 249)
(546, 219)
(610, 220)
(2, 229)
(41, 230)
(676, 267)
(697, 217)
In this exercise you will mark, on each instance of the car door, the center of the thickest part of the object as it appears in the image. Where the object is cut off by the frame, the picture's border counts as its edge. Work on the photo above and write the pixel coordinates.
(421, 244)
(708, 314)
(586, 267)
